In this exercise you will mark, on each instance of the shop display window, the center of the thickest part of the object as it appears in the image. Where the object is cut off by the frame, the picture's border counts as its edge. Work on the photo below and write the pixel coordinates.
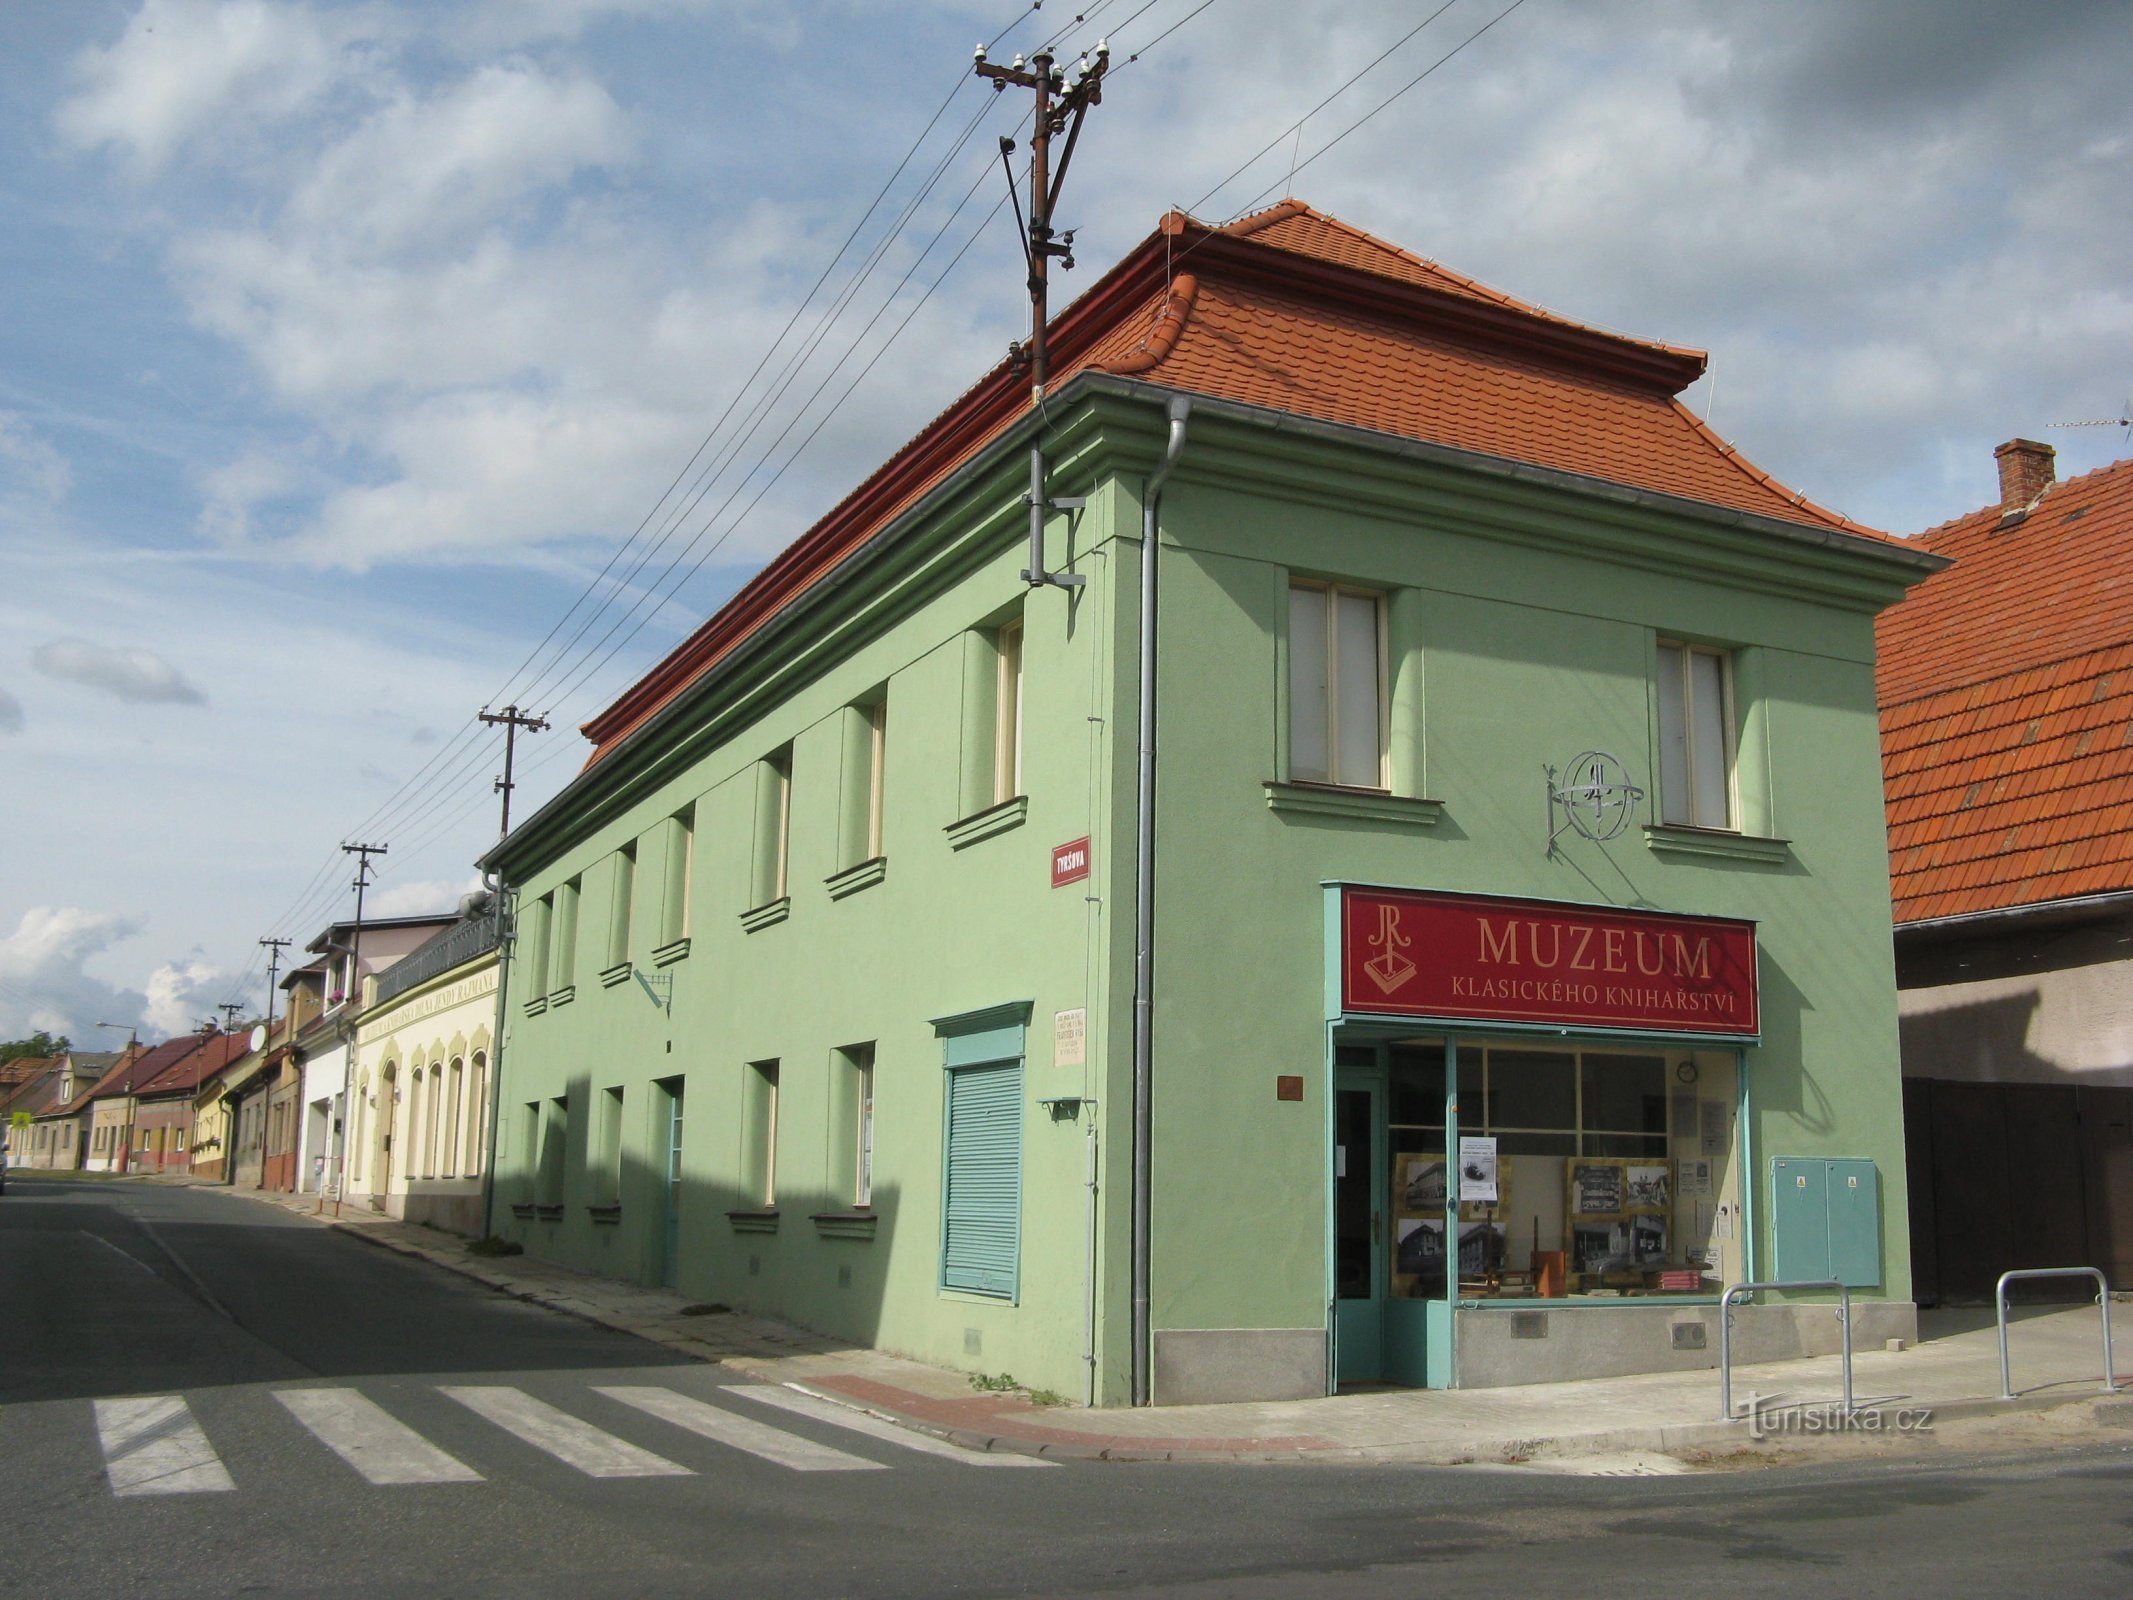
(1615, 1171)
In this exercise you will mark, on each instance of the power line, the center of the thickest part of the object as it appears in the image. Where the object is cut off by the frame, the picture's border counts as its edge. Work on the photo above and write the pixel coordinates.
(1388, 100)
(1297, 125)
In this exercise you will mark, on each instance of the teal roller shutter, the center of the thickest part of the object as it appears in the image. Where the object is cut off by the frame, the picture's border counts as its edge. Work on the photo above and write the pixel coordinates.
(983, 1203)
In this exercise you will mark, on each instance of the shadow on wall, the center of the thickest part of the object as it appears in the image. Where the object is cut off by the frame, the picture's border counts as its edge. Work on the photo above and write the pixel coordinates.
(811, 1258)
(2035, 1170)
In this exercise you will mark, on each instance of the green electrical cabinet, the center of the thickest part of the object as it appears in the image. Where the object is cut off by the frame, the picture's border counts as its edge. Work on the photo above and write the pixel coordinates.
(1826, 1220)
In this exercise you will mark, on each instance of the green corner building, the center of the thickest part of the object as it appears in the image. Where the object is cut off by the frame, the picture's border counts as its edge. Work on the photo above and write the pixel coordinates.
(1403, 898)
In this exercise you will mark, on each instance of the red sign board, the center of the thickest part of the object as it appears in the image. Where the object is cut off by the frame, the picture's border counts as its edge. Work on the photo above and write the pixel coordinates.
(1461, 956)
(1070, 862)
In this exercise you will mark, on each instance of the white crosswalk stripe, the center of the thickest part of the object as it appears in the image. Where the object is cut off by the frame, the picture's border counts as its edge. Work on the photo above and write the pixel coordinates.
(370, 1439)
(772, 1444)
(593, 1451)
(842, 1416)
(152, 1445)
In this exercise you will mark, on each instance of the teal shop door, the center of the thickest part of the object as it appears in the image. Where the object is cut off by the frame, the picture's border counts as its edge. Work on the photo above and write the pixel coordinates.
(670, 1193)
(1358, 1228)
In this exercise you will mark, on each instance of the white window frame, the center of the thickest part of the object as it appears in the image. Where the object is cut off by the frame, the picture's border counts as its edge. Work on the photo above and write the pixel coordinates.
(863, 1156)
(1681, 810)
(1334, 777)
(1007, 712)
(877, 756)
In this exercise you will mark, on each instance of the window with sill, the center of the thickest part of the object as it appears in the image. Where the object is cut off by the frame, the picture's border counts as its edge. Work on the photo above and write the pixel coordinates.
(1696, 737)
(773, 824)
(864, 731)
(680, 865)
(991, 767)
(1337, 698)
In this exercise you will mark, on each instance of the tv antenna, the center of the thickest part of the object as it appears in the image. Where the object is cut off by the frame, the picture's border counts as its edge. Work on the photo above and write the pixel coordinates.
(2124, 420)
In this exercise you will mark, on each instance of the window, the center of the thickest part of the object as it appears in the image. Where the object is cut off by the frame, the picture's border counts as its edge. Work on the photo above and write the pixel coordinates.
(680, 863)
(773, 823)
(1695, 736)
(1623, 1159)
(564, 945)
(478, 1114)
(622, 889)
(455, 1086)
(981, 1209)
(1007, 714)
(533, 943)
(555, 1135)
(852, 1124)
(759, 1154)
(1336, 686)
(429, 1122)
(607, 1162)
(863, 732)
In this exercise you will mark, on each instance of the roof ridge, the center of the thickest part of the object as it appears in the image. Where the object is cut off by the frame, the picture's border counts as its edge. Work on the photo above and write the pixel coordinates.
(1730, 453)
(1994, 508)
(1259, 221)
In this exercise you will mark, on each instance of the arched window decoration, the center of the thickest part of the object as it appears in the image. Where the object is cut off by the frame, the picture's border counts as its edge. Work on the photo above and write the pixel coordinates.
(429, 1125)
(414, 1124)
(355, 1130)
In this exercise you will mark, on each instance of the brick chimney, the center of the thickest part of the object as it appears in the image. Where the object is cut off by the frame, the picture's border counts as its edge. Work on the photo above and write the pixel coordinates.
(2026, 471)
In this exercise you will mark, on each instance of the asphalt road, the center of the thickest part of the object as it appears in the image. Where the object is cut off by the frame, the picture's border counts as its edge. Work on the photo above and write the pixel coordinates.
(200, 1396)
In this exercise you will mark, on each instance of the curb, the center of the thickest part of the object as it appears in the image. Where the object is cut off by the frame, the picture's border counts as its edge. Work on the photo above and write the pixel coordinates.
(1663, 1438)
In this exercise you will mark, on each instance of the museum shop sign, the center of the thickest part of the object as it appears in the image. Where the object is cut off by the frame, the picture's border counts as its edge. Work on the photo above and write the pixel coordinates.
(1473, 957)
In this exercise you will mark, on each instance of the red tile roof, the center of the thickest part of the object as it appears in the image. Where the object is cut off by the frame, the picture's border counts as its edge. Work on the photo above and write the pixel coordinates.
(1296, 311)
(213, 1052)
(2006, 691)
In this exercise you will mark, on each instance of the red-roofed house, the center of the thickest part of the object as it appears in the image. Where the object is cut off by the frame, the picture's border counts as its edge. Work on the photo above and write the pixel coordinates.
(1000, 1045)
(113, 1105)
(2006, 693)
(163, 1105)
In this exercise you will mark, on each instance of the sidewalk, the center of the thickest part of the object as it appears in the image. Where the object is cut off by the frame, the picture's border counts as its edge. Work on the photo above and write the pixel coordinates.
(1656, 1422)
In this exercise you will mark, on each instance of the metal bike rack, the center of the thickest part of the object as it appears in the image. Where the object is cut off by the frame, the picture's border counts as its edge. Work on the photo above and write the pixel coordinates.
(1725, 1335)
(2103, 1299)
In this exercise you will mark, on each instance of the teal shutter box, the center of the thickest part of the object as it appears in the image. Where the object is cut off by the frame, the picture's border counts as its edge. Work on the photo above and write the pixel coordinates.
(1826, 1220)
(981, 1177)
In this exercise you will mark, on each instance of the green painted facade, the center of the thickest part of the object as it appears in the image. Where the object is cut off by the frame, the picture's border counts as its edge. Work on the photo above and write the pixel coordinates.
(1522, 615)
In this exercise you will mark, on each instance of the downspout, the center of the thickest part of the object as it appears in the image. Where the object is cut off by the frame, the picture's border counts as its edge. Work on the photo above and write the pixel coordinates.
(1144, 898)
(505, 939)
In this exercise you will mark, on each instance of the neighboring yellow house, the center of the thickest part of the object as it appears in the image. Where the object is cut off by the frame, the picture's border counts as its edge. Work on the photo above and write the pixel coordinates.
(419, 1142)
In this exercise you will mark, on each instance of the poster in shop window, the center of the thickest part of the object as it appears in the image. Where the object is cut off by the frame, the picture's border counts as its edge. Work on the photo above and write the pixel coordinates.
(1423, 1185)
(1596, 1188)
(1477, 1169)
(1421, 1247)
(1647, 1187)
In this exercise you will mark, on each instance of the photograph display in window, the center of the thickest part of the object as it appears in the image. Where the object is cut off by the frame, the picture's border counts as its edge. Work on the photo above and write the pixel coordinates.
(1613, 1176)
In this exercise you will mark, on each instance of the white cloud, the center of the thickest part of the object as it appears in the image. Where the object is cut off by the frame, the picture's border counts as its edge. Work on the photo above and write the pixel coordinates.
(42, 981)
(428, 897)
(185, 66)
(419, 169)
(32, 461)
(181, 995)
(11, 718)
(140, 677)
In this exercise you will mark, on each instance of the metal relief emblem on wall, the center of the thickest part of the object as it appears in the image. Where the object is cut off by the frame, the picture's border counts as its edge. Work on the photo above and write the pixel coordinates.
(1595, 797)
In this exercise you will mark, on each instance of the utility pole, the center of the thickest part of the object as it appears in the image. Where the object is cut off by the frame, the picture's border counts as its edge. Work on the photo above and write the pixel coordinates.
(512, 719)
(352, 999)
(274, 948)
(229, 1010)
(1060, 109)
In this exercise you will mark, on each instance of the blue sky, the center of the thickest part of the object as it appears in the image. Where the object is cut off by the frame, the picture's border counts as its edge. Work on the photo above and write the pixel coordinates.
(347, 342)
